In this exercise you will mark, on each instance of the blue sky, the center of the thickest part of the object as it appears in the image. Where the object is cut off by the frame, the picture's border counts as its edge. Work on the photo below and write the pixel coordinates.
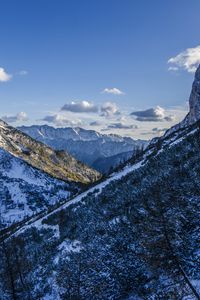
(60, 52)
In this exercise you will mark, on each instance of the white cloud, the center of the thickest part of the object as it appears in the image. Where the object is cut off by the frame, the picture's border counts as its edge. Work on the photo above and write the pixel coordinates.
(4, 76)
(23, 72)
(80, 107)
(109, 109)
(156, 114)
(121, 125)
(95, 123)
(60, 119)
(158, 130)
(113, 91)
(19, 117)
(154, 132)
(173, 68)
(187, 60)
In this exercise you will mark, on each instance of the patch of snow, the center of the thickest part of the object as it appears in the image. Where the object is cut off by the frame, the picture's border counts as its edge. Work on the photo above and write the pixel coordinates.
(97, 189)
(114, 221)
(70, 246)
(182, 138)
(18, 171)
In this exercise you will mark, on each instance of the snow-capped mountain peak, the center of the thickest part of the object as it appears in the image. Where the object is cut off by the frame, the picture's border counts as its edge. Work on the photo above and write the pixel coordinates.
(88, 146)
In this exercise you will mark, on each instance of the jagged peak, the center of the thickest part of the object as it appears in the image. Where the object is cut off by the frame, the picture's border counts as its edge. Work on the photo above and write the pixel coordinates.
(194, 106)
(194, 100)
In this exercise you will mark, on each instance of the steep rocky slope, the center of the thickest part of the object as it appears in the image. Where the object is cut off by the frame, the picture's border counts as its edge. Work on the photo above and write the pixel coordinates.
(194, 113)
(56, 163)
(194, 106)
(25, 190)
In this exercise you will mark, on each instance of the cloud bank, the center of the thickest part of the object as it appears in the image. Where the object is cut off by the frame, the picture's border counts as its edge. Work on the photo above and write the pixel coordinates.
(60, 119)
(95, 123)
(109, 109)
(19, 117)
(121, 125)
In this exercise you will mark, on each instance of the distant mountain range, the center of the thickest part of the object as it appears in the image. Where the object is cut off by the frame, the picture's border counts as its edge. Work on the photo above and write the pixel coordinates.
(88, 146)
(59, 164)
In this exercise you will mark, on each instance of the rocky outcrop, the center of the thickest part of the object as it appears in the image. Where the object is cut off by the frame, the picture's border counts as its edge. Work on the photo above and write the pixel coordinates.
(194, 108)
(194, 101)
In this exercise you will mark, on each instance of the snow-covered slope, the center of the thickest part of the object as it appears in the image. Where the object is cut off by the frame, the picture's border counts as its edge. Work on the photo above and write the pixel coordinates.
(136, 234)
(56, 163)
(153, 151)
(25, 190)
(34, 177)
(86, 145)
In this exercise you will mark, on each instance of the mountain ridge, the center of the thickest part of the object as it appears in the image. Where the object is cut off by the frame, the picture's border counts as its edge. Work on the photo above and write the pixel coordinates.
(85, 145)
(56, 163)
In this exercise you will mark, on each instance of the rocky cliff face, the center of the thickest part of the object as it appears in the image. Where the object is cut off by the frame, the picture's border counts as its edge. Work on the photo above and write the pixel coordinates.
(194, 101)
(194, 110)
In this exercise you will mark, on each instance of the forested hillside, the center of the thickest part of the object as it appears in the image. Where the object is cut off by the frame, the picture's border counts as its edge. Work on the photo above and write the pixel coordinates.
(138, 236)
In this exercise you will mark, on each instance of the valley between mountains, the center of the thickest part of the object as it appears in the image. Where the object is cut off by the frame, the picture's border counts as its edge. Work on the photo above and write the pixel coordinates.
(133, 234)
